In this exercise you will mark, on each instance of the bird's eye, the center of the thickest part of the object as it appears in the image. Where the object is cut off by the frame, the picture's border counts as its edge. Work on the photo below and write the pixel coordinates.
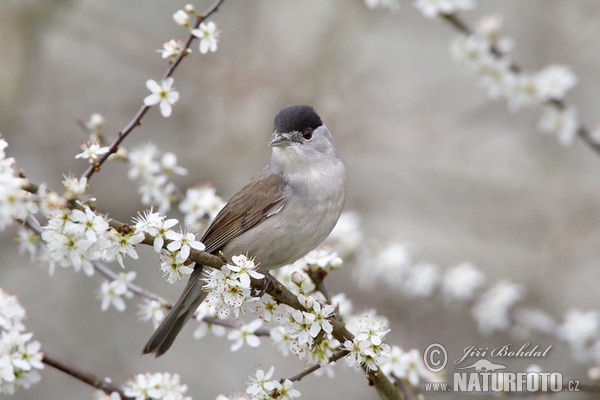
(307, 133)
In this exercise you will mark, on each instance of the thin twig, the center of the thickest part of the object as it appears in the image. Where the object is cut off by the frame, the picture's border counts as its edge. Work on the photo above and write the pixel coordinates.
(583, 132)
(137, 119)
(83, 376)
(333, 358)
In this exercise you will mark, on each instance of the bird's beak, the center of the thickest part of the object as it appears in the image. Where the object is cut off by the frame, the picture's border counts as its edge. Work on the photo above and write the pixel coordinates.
(281, 140)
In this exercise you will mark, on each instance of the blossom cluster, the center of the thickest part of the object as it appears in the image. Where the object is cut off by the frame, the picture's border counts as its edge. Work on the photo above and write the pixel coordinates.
(153, 170)
(485, 52)
(20, 357)
(173, 258)
(262, 386)
(112, 293)
(14, 202)
(159, 385)
(75, 238)
(207, 33)
(200, 206)
(367, 348)
(434, 8)
(306, 334)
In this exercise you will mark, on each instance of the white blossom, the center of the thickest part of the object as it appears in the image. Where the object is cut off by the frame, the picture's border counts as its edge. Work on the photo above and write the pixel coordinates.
(421, 279)
(75, 238)
(323, 257)
(406, 365)
(181, 18)
(200, 204)
(20, 357)
(183, 242)
(113, 292)
(74, 187)
(169, 165)
(245, 335)
(229, 288)
(347, 236)
(155, 225)
(433, 8)
(563, 123)
(554, 81)
(367, 348)
(152, 310)
(160, 385)
(173, 267)
(208, 34)
(491, 311)
(579, 327)
(388, 265)
(391, 5)
(260, 383)
(11, 312)
(28, 242)
(92, 150)
(462, 281)
(152, 171)
(163, 94)
(171, 49)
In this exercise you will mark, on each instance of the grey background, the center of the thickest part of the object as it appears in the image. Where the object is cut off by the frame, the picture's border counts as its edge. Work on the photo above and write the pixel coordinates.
(430, 160)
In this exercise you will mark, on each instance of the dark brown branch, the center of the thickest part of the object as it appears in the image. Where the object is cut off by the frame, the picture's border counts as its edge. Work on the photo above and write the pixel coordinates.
(137, 119)
(83, 376)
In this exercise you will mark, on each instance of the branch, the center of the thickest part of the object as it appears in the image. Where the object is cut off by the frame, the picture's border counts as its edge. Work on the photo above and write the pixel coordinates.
(583, 132)
(277, 290)
(137, 119)
(83, 376)
(335, 357)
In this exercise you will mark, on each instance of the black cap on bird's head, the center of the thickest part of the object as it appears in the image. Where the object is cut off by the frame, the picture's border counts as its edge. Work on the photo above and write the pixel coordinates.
(296, 118)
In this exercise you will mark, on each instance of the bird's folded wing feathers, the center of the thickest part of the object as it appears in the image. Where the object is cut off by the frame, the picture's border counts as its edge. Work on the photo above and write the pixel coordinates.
(261, 198)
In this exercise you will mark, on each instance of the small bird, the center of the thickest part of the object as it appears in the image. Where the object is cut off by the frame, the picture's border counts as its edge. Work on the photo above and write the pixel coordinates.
(286, 210)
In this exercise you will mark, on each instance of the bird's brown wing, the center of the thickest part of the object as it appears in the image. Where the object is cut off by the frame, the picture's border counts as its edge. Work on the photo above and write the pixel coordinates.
(262, 197)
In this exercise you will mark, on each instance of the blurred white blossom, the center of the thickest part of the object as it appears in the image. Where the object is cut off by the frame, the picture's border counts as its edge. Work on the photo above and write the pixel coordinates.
(159, 385)
(245, 335)
(492, 310)
(208, 34)
(201, 204)
(433, 8)
(405, 365)
(462, 281)
(392, 5)
(563, 123)
(172, 49)
(579, 328)
(554, 81)
(152, 310)
(20, 357)
(113, 292)
(421, 280)
(181, 18)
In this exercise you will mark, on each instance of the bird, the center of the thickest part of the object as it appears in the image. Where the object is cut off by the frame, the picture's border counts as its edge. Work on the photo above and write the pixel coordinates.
(282, 213)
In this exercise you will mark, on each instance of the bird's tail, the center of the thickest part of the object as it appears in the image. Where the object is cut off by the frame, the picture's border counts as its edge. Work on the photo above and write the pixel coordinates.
(182, 311)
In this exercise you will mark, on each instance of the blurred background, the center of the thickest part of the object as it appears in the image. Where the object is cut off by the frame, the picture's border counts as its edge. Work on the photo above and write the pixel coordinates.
(431, 161)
